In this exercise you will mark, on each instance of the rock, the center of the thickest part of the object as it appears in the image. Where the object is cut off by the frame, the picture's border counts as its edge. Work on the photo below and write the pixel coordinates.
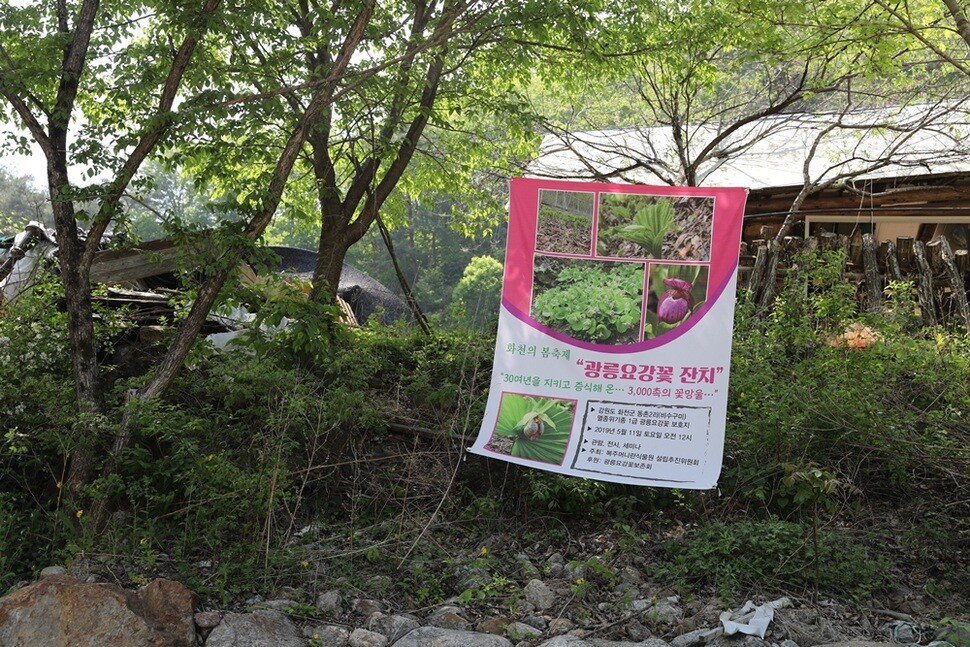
(61, 610)
(53, 570)
(560, 626)
(555, 566)
(281, 604)
(664, 613)
(262, 628)
(365, 638)
(471, 578)
(330, 636)
(206, 621)
(574, 571)
(520, 631)
(449, 617)
(738, 640)
(539, 595)
(565, 641)
(636, 631)
(392, 627)
(536, 621)
(329, 603)
(576, 641)
(630, 575)
(495, 626)
(526, 568)
(957, 634)
(365, 607)
(901, 632)
(437, 637)
(690, 639)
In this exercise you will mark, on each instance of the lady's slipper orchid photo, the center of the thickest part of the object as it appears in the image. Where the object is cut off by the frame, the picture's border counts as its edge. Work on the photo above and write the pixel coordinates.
(676, 303)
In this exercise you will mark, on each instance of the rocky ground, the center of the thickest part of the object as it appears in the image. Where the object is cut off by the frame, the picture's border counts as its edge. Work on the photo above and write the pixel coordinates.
(589, 590)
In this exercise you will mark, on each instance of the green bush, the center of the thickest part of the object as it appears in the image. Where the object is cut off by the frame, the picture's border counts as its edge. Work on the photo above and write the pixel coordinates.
(475, 299)
(773, 554)
(879, 421)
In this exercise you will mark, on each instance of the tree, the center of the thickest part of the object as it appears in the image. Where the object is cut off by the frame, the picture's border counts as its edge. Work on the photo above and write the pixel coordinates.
(476, 298)
(167, 202)
(53, 68)
(20, 202)
(60, 67)
(707, 82)
(710, 80)
(393, 135)
(103, 86)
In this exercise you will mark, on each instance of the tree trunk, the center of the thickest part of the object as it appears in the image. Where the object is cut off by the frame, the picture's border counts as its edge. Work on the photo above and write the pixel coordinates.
(331, 252)
(80, 330)
(405, 286)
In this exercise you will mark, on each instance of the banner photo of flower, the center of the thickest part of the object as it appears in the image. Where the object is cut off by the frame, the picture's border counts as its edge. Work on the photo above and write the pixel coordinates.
(614, 341)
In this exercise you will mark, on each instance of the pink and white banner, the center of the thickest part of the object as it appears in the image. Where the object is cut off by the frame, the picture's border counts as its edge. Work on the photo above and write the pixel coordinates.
(614, 336)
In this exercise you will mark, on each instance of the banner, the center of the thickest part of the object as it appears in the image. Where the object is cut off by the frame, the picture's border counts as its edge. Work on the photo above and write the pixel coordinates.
(614, 335)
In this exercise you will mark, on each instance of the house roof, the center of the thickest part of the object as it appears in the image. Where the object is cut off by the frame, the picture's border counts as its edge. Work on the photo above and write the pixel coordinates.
(772, 152)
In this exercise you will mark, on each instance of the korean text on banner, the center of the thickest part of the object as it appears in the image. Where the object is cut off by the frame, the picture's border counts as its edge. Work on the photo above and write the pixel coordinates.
(614, 336)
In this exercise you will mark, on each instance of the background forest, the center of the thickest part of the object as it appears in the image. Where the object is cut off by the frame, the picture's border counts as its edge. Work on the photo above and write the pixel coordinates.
(384, 137)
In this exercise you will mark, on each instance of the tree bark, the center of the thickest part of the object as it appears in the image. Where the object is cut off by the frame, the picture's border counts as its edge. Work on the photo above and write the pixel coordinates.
(960, 18)
(925, 286)
(956, 281)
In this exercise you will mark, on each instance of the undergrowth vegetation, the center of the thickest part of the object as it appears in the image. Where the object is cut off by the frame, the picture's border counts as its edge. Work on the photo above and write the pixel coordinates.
(282, 462)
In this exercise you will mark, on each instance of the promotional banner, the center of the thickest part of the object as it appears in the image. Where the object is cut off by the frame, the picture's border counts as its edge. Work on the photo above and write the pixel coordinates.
(614, 336)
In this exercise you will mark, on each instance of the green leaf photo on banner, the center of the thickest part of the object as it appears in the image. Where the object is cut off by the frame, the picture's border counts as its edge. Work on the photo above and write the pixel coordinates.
(533, 428)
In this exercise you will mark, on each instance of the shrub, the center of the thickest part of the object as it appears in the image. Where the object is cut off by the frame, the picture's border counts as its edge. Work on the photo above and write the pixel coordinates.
(773, 554)
(884, 419)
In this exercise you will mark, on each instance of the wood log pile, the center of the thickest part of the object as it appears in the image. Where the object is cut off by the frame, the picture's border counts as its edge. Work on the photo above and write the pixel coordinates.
(938, 272)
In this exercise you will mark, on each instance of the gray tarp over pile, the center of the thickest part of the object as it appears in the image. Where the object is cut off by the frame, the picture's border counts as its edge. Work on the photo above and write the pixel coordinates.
(366, 295)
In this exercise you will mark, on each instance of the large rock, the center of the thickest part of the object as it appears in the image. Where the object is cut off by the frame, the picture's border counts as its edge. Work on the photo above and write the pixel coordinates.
(437, 637)
(539, 595)
(60, 611)
(262, 628)
(575, 641)
(392, 626)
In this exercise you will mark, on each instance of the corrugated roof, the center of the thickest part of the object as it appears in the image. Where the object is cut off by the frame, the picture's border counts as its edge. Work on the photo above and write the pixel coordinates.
(771, 152)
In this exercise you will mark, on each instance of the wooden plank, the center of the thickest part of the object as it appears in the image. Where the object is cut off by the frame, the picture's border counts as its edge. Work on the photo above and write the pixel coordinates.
(934, 254)
(904, 251)
(121, 265)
